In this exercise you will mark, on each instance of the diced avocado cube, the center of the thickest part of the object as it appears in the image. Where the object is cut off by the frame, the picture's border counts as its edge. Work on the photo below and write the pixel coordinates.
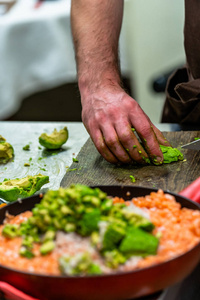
(94, 269)
(49, 235)
(10, 230)
(139, 242)
(146, 225)
(26, 252)
(114, 258)
(89, 222)
(47, 247)
(138, 220)
(112, 236)
(79, 264)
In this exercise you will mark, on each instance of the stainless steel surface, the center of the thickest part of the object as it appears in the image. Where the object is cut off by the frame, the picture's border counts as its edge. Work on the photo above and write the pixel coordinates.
(195, 145)
(51, 163)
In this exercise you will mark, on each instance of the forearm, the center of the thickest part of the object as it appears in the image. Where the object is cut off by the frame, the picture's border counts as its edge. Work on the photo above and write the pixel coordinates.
(96, 27)
(108, 113)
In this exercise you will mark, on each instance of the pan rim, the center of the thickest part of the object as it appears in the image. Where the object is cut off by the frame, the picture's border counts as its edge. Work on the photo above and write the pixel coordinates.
(118, 274)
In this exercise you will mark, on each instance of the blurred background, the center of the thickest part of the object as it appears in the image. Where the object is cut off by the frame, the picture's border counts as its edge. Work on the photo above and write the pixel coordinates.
(37, 67)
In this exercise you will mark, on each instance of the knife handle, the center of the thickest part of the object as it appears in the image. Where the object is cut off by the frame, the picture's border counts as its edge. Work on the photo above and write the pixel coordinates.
(10, 292)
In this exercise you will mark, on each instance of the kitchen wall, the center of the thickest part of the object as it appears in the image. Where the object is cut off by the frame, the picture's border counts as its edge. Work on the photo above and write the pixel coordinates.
(153, 31)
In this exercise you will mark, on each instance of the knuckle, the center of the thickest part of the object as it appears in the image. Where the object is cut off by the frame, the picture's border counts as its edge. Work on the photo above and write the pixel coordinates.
(125, 136)
(131, 104)
(99, 116)
(100, 145)
(145, 129)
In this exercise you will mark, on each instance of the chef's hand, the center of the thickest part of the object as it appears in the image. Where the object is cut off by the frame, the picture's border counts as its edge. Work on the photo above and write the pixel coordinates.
(112, 118)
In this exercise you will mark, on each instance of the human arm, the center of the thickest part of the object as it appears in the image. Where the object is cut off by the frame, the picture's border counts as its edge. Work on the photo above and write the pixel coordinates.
(108, 112)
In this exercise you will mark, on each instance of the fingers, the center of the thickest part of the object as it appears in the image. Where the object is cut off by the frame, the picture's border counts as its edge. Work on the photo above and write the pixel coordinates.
(109, 125)
(130, 142)
(151, 144)
(108, 144)
(118, 145)
(99, 142)
(112, 141)
(148, 137)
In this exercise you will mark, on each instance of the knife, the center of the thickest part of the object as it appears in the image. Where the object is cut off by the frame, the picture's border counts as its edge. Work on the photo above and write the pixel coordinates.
(195, 145)
(2, 201)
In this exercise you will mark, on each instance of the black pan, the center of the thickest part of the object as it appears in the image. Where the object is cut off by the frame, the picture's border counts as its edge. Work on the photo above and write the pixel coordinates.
(127, 285)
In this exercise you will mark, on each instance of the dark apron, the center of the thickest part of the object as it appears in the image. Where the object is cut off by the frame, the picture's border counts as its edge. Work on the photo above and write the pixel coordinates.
(182, 103)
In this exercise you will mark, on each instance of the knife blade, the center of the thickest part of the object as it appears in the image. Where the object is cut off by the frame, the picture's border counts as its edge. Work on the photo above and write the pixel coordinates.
(195, 145)
(2, 201)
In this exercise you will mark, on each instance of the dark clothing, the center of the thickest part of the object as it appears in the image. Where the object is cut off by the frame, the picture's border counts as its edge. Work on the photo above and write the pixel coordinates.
(182, 103)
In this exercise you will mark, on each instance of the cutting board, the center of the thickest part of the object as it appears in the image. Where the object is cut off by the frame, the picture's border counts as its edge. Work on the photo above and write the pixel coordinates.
(93, 169)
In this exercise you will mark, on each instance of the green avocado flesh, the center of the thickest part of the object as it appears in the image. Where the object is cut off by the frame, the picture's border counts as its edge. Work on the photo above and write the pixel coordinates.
(11, 190)
(170, 154)
(54, 140)
(6, 151)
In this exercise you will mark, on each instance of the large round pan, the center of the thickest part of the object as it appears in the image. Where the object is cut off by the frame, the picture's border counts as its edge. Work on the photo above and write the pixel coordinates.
(127, 285)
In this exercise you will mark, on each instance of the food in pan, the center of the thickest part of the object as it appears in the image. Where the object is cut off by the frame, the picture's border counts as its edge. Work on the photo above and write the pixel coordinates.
(170, 154)
(6, 151)
(13, 189)
(81, 231)
(54, 140)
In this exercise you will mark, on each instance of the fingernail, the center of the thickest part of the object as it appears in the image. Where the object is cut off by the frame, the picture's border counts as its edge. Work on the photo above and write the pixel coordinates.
(158, 160)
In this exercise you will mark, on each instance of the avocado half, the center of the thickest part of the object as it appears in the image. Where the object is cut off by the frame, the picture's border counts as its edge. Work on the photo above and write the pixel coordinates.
(6, 151)
(54, 140)
(14, 189)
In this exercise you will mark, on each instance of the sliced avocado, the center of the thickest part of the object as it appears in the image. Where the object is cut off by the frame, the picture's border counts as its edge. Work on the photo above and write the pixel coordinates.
(6, 151)
(54, 140)
(11, 190)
